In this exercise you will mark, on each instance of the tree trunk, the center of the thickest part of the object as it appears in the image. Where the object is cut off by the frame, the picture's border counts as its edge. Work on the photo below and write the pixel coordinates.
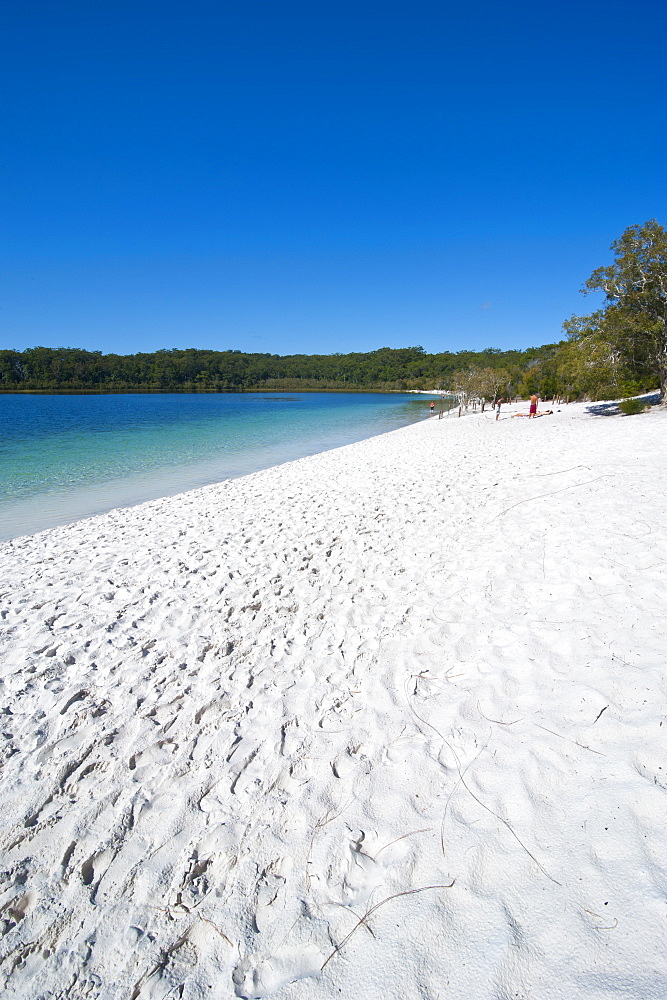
(662, 363)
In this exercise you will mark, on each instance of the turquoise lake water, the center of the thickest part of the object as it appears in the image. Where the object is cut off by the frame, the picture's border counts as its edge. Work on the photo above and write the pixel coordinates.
(66, 457)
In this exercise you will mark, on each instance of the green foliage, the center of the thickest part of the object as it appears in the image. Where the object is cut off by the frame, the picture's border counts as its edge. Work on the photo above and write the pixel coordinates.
(635, 286)
(192, 370)
(483, 383)
(630, 406)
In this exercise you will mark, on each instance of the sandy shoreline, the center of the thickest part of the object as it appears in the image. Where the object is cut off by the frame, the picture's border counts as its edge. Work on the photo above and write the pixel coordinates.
(238, 719)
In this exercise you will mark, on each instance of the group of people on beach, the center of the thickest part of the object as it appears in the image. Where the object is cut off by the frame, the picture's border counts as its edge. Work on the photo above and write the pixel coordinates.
(532, 411)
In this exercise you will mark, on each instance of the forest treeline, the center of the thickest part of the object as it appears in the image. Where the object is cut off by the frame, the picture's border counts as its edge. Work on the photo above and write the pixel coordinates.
(618, 350)
(223, 371)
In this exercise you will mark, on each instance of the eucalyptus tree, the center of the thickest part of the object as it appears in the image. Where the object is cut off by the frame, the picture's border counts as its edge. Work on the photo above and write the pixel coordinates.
(495, 382)
(590, 361)
(635, 286)
(465, 386)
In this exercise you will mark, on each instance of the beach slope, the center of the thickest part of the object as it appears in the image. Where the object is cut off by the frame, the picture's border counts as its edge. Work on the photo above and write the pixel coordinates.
(389, 721)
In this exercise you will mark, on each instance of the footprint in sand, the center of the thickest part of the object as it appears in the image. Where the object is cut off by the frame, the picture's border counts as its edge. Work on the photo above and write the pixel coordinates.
(253, 979)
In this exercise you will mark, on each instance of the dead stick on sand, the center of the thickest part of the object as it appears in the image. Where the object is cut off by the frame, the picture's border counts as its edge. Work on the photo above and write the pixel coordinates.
(362, 920)
(612, 927)
(323, 821)
(391, 843)
(568, 740)
(560, 737)
(511, 830)
(451, 796)
(476, 798)
(553, 493)
(497, 721)
(558, 472)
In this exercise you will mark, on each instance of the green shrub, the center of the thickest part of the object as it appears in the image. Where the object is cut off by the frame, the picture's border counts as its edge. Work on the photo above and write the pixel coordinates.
(630, 406)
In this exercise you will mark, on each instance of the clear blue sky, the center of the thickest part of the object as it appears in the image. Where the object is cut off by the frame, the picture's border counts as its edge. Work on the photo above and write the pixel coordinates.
(320, 177)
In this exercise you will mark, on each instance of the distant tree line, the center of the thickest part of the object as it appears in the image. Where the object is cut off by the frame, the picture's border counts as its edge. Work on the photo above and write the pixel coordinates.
(619, 350)
(193, 370)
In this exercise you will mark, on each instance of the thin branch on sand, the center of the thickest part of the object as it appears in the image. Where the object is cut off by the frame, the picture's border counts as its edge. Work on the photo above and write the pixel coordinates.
(216, 929)
(558, 472)
(159, 965)
(451, 796)
(516, 837)
(497, 721)
(540, 496)
(477, 799)
(354, 913)
(392, 842)
(612, 927)
(568, 740)
(324, 820)
(367, 914)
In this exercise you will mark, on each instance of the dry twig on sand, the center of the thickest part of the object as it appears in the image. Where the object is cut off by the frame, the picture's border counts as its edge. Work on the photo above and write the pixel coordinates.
(568, 740)
(367, 914)
(324, 820)
(392, 842)
(556, 472)
(540, 496)
(476, 798)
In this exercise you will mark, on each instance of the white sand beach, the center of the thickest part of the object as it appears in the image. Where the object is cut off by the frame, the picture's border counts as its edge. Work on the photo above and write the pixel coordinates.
(389, 721)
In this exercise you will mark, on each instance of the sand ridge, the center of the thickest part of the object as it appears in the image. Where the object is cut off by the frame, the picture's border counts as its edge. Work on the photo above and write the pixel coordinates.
(239, 719)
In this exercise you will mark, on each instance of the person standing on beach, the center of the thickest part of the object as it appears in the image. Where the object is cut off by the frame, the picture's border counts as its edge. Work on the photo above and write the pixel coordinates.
(432, 408)
(533, 406)
(498, 402)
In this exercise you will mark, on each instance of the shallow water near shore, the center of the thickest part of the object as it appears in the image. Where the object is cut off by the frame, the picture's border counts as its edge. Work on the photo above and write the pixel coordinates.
(67, 457)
